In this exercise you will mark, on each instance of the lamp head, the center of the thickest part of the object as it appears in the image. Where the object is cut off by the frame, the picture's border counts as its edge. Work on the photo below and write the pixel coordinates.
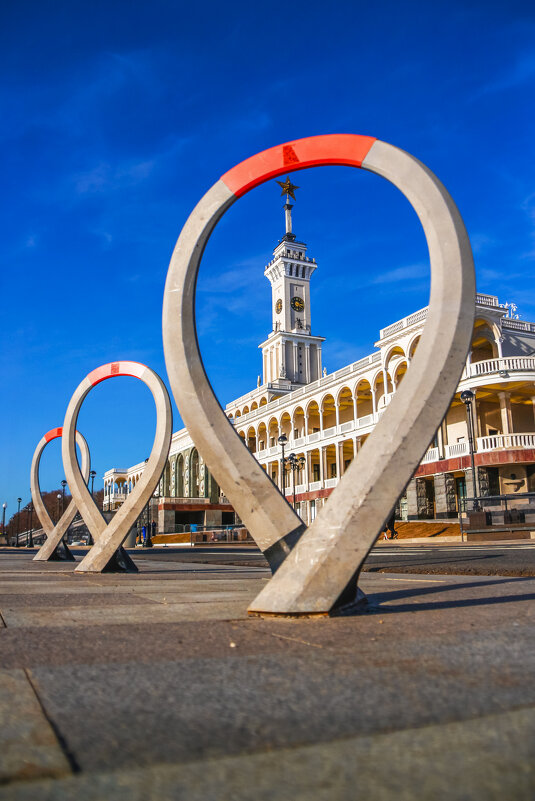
(467, 396)
(283, 439)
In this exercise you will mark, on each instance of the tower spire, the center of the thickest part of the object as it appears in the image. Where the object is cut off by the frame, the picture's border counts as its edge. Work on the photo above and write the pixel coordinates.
(288, 189)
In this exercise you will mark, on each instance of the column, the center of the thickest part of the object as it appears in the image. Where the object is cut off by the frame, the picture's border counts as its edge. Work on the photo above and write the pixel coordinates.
(478, 432)
(318, 354)
(339, 459)
(533, 403)
(296, 361)
(355, 409)
(412, 500)
(505, 412)
(283, 359)
(440, 441)
(499, 341)
(308, 375)
(374, 402)
(322, 465)
(308, 469)
(337, 413)
(444, 495)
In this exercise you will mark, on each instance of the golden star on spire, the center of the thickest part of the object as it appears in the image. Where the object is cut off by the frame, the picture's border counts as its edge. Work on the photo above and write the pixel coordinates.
(287, 187)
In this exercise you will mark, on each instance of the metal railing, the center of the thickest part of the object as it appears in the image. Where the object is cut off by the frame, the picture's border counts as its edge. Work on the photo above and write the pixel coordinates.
(497, 513)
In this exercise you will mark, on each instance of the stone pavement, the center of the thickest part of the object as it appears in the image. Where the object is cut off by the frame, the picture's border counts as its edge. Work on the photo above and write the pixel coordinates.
(158, 686)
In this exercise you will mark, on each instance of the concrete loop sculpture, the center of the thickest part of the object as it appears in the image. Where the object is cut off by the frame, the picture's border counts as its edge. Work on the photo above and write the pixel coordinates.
(317, 569)
(107, 553)
(54, 548)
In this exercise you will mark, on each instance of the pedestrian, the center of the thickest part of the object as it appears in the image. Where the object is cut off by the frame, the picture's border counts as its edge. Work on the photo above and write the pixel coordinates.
(144, 536)
(390, 525)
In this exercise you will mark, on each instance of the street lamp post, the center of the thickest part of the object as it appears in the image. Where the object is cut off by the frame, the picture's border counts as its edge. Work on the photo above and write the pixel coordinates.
(148, 538)
(283, 439)
(467, 397)
(63, 485)
(4, 507)
(29, 537)
(295, 463)
(58, 499)
(92, 474)
(19, 501)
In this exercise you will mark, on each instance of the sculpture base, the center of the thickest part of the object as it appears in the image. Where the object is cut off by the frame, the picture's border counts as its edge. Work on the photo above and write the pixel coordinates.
(358, 606)
(61, 553)
(120, 562)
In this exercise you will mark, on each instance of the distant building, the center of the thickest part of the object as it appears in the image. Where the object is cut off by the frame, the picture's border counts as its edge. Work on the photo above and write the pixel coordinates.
(327, 417)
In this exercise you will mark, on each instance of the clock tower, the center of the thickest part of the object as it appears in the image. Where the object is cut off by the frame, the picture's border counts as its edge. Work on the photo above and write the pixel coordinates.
(291, 355)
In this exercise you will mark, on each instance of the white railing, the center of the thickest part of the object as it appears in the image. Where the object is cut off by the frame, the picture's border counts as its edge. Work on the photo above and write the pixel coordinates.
(367, 420)
(196, 501)
(296, 443)
(486, 300)
(347, 426)
(497, 441)
(457, 449)
(329, 432)
(507, 364)
(421, 314)
(314, 437)
(432, 455)
(315, 485)
(301, 488)
(518, 325)
(330, 482)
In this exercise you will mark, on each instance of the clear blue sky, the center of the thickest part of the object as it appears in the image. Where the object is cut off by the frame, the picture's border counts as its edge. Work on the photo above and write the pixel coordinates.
(116, 117)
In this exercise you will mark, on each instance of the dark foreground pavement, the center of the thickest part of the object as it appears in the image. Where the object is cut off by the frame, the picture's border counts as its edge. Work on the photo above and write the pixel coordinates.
(158, 686)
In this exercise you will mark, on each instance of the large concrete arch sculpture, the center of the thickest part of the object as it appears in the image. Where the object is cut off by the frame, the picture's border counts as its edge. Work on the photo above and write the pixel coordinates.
(54, 548)
(317, 569)
(107, 553)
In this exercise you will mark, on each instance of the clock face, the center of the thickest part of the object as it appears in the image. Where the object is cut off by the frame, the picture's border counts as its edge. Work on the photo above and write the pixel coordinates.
(297, 303)
(278, 306)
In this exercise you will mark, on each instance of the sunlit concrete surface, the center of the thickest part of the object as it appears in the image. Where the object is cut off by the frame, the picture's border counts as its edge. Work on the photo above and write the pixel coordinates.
(157, 685)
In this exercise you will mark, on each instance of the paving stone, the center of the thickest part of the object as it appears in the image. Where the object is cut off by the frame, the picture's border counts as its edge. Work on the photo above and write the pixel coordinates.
(428, 695)
(28, 745)
(486, 759)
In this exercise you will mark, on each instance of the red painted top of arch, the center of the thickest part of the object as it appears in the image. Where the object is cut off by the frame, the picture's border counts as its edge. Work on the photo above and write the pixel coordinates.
(131, 369)
(54, 433)
(314, 151)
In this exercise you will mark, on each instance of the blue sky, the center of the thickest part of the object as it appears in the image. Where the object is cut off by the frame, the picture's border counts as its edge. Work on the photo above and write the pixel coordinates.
(118, 116)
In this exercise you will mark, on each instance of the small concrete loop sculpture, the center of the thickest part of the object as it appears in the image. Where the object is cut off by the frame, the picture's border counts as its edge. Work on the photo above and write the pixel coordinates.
(55, 549)
(317, 569)
(107, 555)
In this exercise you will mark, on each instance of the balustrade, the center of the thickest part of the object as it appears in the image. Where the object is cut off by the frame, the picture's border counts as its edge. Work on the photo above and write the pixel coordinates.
(506, 364)
(498, 441)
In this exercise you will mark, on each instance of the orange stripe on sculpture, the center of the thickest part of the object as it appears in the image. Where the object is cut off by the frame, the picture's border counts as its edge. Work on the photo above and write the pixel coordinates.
(131, 369)
(54, 433)
(314, 151)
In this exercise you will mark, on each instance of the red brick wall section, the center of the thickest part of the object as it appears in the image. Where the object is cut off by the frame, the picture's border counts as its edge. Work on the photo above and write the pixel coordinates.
(487, 459)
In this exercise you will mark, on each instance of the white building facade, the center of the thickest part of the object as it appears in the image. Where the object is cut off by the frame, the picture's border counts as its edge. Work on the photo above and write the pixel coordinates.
(327, 417)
